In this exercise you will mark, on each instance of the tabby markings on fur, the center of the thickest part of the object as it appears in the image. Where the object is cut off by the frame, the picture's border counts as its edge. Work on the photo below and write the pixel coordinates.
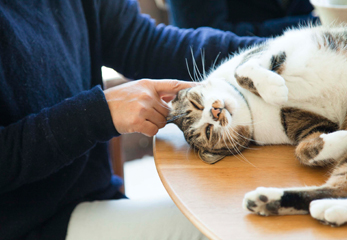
(287, 90)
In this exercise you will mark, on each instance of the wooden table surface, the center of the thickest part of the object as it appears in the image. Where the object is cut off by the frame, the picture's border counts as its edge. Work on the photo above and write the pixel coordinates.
(210, 196)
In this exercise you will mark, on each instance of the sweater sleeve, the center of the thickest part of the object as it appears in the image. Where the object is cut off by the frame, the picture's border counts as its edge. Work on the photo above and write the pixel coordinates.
(134, 46)
(40, 144)
(197, 13)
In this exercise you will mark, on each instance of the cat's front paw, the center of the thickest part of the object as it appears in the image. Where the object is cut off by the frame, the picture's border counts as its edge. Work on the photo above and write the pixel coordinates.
(263, 201)
(274, 93)
(331, 212)
(268, 84)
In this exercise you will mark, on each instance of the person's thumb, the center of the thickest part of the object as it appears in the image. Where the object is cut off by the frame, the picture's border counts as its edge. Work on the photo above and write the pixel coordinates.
(171, 87)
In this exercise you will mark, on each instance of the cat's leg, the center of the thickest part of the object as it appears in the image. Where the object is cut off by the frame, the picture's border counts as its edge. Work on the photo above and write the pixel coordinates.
(333, 211)
(320, 149)
(329, 211)
(261, 76)
(279, 201)
(318, 141)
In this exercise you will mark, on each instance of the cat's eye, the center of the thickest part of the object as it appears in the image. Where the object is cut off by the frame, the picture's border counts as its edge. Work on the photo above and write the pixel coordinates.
(208, 131)
(196, 105)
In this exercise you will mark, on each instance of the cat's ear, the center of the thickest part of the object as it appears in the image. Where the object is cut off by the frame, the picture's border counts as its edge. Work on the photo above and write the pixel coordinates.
(210, 158)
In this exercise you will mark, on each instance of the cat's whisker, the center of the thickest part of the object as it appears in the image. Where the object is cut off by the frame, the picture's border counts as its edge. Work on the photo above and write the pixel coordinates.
(245, 124)
(219, 135)
(234, 141)
(187, 152)
(175, 117)
(190, 75)
(238, 134)
(215, 61)
(238, 151)
(195, 152)
(228, 147)
(197, 73)
(231, 140)
(249, 139)
(202, 54)
(193, 78)
(243, 159)
(252, 125)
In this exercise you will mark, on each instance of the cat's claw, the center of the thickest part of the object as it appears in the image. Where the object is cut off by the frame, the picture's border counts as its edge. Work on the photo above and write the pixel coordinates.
(263, 201)
(331, 212)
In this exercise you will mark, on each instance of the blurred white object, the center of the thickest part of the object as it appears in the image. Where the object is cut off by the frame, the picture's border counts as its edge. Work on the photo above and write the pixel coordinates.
(331, 12)
(142, 180)
(161, 4)
(112, 78)
(337, 2)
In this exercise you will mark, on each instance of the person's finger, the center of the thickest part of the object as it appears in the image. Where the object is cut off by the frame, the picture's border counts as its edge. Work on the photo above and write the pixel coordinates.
(156, 118)
(170, 87)
(160, 106)
(168, 98)
(148, 128)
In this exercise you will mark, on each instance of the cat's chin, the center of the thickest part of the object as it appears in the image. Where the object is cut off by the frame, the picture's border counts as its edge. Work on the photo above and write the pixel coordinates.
(209, 157)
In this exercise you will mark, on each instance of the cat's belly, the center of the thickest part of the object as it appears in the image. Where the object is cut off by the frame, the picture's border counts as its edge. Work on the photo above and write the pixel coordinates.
(326, 99)
(268, 128)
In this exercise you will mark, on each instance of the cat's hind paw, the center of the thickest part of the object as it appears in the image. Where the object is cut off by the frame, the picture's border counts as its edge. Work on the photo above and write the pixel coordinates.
(263, 201)
(331, 212)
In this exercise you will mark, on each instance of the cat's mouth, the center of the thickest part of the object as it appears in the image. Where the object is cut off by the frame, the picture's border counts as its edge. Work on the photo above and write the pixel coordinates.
(208, 131)
(219, 112)
(221, 116)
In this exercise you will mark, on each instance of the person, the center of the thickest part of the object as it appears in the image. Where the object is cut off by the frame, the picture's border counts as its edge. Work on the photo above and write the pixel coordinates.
(55, 120)
(265, 18)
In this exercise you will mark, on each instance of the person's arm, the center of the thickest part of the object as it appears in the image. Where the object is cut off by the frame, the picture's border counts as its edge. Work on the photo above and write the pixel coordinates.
(41, 144)
(134, 46)
(275, 27)
(197, 13)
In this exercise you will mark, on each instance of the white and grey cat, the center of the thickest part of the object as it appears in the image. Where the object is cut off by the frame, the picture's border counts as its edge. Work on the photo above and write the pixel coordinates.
(288, 90)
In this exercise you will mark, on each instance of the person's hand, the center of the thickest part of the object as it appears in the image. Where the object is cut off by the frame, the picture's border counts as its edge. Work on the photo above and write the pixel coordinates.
(138, 106)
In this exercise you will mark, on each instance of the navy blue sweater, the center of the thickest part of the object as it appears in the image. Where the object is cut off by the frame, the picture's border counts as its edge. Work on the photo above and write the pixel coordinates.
(247, 17)
(54, 119)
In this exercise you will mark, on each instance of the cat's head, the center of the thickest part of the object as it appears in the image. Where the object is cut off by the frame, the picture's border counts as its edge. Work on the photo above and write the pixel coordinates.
(214, 118)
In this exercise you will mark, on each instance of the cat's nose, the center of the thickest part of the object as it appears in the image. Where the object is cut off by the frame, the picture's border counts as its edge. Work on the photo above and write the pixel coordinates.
(215, 113)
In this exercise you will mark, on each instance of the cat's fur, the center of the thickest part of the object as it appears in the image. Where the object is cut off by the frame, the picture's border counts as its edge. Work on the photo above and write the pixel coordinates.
(288, 90)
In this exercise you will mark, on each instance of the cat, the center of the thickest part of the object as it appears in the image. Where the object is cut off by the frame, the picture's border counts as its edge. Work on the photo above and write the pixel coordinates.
(291, 89)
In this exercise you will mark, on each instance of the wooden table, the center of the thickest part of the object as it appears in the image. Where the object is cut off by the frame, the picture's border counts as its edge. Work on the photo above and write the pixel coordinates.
(211, 196)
